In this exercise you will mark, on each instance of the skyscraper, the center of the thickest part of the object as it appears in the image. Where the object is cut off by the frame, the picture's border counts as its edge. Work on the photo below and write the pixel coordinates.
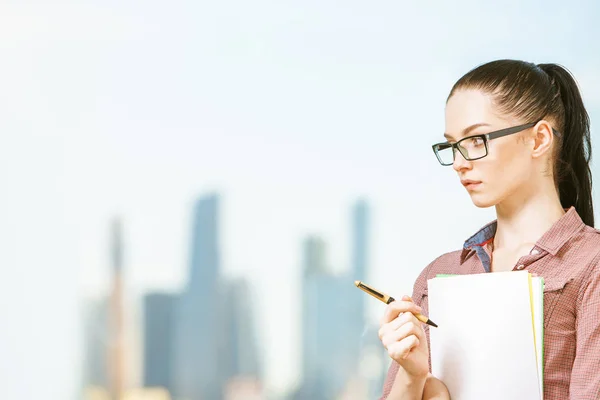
(96, 350)
(104, 331)
(359, 271)
(205, 258)
(238, 349)
(214, 334)
(325, 321)
(313, 268)
(333, 314)
(116, 332)
(195, 374)
(158, 339)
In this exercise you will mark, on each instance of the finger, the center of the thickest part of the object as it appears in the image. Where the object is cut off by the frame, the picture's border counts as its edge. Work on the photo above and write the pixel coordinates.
(401, 350)
(406, 330)
(411, 327)
(393, 325)
(401, 320)
(396, 307)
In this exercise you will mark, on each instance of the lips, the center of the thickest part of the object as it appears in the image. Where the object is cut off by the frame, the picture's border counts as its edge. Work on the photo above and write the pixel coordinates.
(470, 184)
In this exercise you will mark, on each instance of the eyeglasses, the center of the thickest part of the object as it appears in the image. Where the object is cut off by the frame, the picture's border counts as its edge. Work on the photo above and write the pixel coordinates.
(474, 147)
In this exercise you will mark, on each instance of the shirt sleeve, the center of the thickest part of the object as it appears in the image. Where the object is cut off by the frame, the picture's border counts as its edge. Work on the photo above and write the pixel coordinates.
(419, 289)
(585, 375)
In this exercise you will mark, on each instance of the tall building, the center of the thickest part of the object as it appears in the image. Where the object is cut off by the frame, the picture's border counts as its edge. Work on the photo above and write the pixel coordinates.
(96, 349)
(205, 248)
(238, 348)
(313, 268)
(326, 318)
(104, 327)
(314, 261)
(371, 358)
(116, 335)
(194, 374)
(359, 271)
(206, 332)
(333, 315)
(158, 339)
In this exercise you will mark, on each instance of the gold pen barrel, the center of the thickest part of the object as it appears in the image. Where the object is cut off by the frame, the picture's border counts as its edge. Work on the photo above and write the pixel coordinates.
(388, 299)
(374, 292)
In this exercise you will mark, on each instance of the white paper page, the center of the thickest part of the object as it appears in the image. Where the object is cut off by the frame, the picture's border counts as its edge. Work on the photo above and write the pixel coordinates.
(484, 346)
(538, 313)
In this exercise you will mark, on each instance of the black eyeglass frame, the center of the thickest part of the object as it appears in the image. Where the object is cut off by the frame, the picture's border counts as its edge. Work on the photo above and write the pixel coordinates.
(486, 137)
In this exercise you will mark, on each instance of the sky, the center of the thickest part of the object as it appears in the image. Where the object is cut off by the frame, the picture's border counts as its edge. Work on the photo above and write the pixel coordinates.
(292, 111)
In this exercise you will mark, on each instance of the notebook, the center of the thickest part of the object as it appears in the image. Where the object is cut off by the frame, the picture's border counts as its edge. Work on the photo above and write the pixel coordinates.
(489, 340)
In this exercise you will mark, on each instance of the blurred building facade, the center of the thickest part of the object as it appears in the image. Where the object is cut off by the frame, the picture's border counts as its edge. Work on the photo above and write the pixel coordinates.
(333, 315)
(96, 349)
(116, 322)
(195, 375)
(159, 341)
(214, 328)
(105, 337)
(239, 348)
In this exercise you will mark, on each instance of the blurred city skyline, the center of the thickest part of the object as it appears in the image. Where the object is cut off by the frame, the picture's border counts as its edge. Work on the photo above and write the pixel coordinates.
(203, 341)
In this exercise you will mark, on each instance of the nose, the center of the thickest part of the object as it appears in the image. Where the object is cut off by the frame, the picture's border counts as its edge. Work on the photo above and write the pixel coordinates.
(460, 163)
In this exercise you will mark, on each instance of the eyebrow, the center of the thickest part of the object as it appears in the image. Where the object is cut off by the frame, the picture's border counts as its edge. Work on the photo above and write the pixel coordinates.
(467, 130)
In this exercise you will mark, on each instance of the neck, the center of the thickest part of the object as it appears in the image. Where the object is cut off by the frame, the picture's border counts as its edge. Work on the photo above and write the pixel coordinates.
(522, 221)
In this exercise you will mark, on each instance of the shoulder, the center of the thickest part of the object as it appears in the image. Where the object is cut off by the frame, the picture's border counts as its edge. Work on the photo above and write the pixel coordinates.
(590, 245)
(584, 250)
(575, 265)
(588, 280)
(447, 263)
(592, 234)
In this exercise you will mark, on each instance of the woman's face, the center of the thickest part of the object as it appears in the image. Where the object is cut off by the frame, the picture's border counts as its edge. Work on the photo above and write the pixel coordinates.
(508, 166)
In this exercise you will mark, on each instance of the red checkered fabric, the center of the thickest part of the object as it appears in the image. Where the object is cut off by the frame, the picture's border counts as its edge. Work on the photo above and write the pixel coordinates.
(567, 256)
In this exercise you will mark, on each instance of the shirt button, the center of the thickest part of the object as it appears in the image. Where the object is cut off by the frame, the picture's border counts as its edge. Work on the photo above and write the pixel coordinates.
(535, 252)
(520, 267)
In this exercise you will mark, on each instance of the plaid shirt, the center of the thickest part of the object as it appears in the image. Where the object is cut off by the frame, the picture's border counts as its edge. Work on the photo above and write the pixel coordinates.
(567, 257)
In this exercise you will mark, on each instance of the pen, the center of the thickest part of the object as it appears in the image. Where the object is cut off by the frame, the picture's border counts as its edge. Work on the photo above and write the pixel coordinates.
(388, 299)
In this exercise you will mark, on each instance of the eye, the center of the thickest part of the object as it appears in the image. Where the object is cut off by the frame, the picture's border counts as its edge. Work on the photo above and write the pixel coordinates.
(475, 141)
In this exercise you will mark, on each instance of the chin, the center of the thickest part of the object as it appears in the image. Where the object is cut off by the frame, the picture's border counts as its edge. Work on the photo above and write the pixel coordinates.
(481, 201)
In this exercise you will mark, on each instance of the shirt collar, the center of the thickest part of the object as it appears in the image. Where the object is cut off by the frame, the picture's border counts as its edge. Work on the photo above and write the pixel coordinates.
(479, 239)
(561, 231)
(551, 241)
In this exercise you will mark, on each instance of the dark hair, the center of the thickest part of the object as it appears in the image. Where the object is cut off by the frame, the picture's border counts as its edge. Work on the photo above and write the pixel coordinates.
(545, 91)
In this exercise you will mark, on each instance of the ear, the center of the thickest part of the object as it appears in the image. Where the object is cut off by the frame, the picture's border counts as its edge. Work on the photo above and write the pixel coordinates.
(543, 138)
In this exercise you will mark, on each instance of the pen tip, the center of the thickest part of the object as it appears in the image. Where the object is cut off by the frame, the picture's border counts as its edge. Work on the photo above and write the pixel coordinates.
(356, 283)
(430, 322)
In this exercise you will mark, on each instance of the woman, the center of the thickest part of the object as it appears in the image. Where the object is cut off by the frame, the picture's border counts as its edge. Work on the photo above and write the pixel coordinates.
(518, 137)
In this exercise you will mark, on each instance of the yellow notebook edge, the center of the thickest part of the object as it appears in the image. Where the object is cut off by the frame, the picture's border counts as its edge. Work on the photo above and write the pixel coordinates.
(539, 354)
(530, 277)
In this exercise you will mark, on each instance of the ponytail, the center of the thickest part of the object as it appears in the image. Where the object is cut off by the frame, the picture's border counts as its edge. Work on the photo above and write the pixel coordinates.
(573, 174)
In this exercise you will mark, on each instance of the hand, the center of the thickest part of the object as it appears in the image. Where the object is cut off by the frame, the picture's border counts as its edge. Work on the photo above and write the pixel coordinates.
(404, 339)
